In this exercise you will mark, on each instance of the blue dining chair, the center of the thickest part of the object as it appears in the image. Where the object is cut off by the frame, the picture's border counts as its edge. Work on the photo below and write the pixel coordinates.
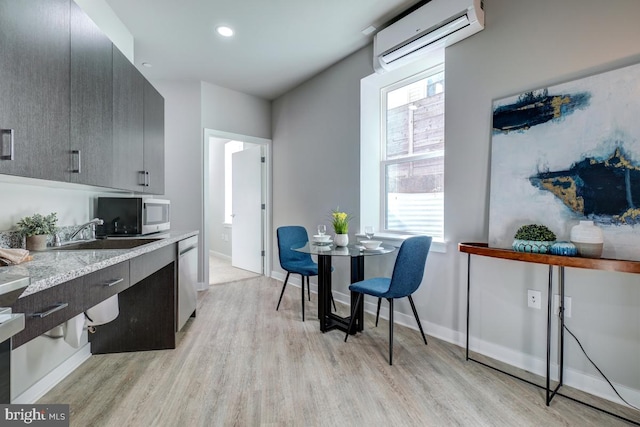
(405, 280)
(295, 236)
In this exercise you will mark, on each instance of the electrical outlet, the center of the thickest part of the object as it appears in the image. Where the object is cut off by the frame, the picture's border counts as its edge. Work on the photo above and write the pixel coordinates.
(567, 305)
(534, 299)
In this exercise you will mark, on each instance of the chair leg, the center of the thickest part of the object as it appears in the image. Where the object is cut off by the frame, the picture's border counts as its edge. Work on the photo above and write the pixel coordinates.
(302, 287)
(353, 317)
(334, 303)
(390, 331)
(415, 314)
(378, 312)
(282, 293)
(308, 288)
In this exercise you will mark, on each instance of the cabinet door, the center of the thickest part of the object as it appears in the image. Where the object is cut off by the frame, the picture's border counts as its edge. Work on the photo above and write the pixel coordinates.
(153, 139)
(34, 88)
(128, 103)
(91, 157)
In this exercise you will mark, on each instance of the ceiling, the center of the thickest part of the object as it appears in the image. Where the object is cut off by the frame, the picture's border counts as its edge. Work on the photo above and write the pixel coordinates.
(277, 45)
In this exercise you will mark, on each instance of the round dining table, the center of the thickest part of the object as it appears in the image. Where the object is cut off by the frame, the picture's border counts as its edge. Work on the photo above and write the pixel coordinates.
(357, 253)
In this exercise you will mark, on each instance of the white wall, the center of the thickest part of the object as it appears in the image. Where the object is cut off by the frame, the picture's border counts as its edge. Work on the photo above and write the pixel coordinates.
(105, 18)
(525, 45)
(235, 112)
(217, 228)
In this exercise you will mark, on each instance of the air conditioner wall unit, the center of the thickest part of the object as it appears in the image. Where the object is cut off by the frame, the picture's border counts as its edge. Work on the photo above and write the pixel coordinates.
(439, 23)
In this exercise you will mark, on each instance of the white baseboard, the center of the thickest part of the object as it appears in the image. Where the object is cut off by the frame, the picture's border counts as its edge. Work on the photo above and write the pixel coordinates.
(219, 255)
(579, 380)
(42, 387)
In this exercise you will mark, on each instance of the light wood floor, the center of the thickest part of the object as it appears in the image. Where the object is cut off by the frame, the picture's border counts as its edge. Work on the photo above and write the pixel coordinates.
(241, 363)
(221, 271)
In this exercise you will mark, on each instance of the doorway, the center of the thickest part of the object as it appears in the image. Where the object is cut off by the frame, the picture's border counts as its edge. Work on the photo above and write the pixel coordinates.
(229, 217)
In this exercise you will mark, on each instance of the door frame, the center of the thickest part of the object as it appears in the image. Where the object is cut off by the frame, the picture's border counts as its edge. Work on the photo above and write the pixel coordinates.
(266, 187)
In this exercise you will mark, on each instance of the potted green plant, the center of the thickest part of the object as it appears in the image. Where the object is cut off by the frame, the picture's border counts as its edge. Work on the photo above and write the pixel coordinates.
(533, 238)
(340, 222)
(36, 228)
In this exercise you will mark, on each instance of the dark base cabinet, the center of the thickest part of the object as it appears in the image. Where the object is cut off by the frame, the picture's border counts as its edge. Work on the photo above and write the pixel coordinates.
(146, 286)
(146, 320)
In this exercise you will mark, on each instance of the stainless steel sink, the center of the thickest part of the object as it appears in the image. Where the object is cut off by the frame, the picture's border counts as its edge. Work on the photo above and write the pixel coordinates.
(105, 244)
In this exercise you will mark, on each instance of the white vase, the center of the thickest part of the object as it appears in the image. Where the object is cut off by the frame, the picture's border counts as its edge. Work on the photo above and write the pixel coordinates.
(341, 239)
(588, 239)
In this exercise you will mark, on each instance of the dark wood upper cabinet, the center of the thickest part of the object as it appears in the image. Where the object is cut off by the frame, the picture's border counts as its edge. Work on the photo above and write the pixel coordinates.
(91, 139)
(72, 107)
(153, 140)
(128, 124)
(34, 88)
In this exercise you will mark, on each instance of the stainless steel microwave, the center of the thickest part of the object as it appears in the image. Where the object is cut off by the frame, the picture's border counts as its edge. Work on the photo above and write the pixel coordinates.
(132, 216)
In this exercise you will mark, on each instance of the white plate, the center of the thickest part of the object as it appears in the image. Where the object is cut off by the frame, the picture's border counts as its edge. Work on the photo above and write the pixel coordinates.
(362, 248)
(327, 243)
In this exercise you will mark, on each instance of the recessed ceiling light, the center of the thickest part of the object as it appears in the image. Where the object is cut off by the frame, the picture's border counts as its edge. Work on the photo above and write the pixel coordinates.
(224, 31)
(147, 64)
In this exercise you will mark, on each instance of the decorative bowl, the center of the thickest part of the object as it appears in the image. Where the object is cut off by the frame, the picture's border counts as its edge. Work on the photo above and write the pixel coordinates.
(533, 246)
(564, 249)
(370, 244)
(321, 237)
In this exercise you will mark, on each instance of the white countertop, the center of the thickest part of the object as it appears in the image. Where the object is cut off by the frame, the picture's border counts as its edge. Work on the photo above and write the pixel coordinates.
(53, 267)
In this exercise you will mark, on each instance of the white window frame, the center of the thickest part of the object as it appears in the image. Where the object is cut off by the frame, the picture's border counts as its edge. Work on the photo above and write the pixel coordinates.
(384, 161)
(371, 179)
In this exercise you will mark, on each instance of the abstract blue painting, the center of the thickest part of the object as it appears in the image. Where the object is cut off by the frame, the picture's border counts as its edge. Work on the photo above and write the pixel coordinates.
(567, 153)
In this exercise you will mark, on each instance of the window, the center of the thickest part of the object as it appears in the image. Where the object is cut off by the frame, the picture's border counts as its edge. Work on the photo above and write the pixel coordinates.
(412, 155)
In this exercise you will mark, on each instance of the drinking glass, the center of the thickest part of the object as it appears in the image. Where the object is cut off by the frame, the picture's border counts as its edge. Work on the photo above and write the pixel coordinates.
(322, 229)
(368, 231)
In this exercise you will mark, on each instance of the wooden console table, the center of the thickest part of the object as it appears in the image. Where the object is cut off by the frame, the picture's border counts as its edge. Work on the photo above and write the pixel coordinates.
(482, 249)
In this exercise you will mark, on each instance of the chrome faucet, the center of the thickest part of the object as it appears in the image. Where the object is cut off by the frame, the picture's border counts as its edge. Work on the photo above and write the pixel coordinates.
(91, 226)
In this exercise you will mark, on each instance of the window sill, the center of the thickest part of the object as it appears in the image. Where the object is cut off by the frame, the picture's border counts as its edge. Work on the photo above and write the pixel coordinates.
(439, 246)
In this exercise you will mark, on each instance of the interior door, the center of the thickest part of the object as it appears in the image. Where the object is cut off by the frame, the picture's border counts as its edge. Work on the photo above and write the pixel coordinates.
(246, 184)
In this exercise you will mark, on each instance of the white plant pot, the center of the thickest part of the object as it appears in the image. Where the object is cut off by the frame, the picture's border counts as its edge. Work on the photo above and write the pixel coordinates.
(588, 238)
(341, 239)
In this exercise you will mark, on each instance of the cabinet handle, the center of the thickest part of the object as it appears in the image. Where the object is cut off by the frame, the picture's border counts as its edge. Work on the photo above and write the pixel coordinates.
(78, 155)
(143, 175)
(112, 282)
(147, 178)
(11, 133)
(52, 310)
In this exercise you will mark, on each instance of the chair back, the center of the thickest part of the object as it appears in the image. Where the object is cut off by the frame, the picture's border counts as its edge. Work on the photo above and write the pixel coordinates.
(409, 267)
(291, 236)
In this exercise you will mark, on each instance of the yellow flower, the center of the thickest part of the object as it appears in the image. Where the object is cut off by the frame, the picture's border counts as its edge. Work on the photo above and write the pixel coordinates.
(340, 221)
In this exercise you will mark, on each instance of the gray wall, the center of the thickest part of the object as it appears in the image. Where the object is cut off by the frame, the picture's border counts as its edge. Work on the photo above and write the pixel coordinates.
(525, 45)
(191, 107)
(316, 149)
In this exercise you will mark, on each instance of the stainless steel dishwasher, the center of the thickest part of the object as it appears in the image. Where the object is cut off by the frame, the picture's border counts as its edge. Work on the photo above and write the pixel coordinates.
(187, 279)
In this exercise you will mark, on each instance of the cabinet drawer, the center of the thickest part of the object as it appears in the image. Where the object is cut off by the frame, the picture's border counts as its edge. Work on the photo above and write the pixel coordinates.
(47, 309)
(104, 283)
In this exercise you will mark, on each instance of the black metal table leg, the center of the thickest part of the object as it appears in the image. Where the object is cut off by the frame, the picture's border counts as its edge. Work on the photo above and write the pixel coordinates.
(324, 289)
(357, 275)
(468, 288)
(561, 313)
(549, 308)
